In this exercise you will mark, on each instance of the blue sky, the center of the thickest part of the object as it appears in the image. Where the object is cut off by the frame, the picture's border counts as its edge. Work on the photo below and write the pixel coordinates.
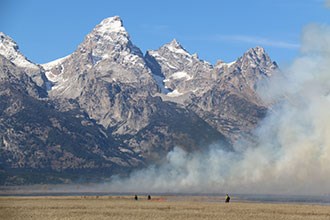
(215, 29)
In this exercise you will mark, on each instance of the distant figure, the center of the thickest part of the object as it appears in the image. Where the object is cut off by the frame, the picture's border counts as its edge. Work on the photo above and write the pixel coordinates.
(149, 197)
(135, 197)
(227, 199)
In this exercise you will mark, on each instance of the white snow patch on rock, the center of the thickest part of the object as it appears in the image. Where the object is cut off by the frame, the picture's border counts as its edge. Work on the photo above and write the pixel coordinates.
(10, 50)
(112, 24)
(174, 93)
(178, 50)
(57, 62)
(179, 75)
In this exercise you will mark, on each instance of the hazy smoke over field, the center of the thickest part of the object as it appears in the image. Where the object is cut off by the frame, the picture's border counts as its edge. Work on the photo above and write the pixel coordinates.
(292, 153)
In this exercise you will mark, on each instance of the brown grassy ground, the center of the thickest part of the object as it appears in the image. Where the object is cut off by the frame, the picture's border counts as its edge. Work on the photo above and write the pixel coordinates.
(123, 208)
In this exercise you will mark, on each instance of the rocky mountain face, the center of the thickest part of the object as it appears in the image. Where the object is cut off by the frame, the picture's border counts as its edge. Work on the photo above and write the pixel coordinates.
(231, 105)
(106, 72)
(37, 139)
(224, 95)
(181, 72)
(107, 109)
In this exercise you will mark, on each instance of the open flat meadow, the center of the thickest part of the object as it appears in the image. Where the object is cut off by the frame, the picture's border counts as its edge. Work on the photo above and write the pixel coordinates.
(168, 207)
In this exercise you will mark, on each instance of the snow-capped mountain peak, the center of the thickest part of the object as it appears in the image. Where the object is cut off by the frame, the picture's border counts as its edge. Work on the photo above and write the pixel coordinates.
(110, 36)
(258, 50)
(175, 47)
(10, 50)
(6, 40)
(256, 54)
(257, 57)
(111, 25)
(174, 43)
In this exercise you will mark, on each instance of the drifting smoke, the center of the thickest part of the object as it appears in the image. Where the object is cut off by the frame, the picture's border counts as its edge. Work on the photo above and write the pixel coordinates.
(327, 3)
(292, 154)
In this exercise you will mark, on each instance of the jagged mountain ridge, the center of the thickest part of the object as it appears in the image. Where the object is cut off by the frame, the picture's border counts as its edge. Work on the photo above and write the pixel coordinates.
(10, 50)
(36, 136)
(232, 105)
(224, 95)
(182, 72)
(106, 57)
(138, 107)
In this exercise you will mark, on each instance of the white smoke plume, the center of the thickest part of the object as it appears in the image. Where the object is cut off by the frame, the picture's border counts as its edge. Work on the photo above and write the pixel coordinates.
(292, 153)
(327, 3)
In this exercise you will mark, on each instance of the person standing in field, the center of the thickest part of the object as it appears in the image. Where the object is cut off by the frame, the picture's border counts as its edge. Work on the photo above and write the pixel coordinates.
(227, 199)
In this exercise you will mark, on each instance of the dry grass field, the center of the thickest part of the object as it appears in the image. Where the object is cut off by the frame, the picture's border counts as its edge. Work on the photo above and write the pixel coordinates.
(123, 208)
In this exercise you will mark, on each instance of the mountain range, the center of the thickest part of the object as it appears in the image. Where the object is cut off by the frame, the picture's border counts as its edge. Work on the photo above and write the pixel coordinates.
(108, 109)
